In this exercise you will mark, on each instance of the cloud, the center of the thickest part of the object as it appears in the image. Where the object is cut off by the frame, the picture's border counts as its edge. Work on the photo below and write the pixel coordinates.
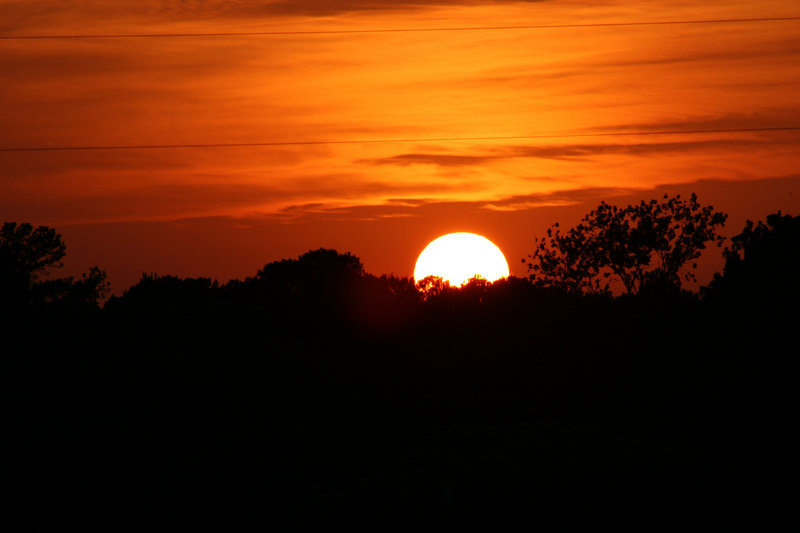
(576, 152)
(328, 7)
(584, 151)
(123, 198)
(556, 198)
(781, 189)
(768, 50)
(24, 15)
(443, 160)
(396, 207)
(767, 118)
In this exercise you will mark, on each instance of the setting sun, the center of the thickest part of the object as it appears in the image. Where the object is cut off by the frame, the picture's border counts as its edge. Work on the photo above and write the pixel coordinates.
(458, 257)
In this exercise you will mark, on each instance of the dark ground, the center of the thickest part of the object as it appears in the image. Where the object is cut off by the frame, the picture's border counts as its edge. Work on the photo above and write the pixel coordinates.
(192, 406)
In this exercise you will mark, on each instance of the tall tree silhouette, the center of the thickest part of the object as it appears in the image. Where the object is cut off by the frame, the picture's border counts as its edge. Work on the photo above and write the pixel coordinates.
(27, 255)
(644, 246)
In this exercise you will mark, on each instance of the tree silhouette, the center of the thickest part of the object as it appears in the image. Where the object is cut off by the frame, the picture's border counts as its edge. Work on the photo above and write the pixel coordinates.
(317, 269)
(27, 255)
(87, 291)
(432, 286)
(645, 246)
(761, 262)
(385, 301)
(156, 295)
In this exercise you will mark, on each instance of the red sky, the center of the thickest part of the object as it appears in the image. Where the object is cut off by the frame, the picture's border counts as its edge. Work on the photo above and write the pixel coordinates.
(225, 211)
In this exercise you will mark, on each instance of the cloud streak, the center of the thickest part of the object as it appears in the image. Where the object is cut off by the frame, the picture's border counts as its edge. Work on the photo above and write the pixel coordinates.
(567, 152)
(421, 207)
(763, 118)
(24, 15)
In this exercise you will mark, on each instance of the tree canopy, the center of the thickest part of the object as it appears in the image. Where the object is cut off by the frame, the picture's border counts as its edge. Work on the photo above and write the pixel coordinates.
(761, 262)
(642, 246)
(27, 255)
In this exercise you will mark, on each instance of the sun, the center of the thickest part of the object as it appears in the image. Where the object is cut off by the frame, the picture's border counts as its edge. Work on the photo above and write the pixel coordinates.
(458, 257)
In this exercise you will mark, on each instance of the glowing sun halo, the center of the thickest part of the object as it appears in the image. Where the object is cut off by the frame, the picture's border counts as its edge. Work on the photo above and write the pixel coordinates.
(457, 257)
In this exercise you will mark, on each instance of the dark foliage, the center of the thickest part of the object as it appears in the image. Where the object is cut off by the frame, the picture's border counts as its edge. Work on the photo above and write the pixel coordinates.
(304, 397)
(644, 247)
(761, 263)
(27, 255)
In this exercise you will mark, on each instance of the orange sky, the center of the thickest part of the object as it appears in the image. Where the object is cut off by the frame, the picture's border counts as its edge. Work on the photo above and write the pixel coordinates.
(223, 212)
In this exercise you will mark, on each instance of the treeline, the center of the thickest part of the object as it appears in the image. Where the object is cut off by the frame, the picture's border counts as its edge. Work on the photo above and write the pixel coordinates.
(309, 394)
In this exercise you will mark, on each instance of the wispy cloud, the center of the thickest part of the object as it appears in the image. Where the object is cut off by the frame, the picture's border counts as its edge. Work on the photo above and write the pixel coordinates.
(326, 7)
(26, 15)
(420, 207)
(767, 117)
(577, 152)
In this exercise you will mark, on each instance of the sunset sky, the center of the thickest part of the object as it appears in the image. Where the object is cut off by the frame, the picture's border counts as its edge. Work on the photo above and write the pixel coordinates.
(321, 81)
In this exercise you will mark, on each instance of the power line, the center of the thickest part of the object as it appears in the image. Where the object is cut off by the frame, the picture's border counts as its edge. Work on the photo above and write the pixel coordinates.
(394, 30)
(391, 141)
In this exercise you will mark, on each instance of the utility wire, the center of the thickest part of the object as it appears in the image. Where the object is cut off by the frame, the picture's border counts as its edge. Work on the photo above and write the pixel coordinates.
(395, 30)
(391, 141)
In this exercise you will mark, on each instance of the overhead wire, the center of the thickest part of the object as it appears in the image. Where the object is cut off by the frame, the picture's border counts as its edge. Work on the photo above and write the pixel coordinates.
(398, 30)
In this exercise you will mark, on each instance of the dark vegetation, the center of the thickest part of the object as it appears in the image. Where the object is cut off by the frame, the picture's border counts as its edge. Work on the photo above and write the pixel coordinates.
(312, 394)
